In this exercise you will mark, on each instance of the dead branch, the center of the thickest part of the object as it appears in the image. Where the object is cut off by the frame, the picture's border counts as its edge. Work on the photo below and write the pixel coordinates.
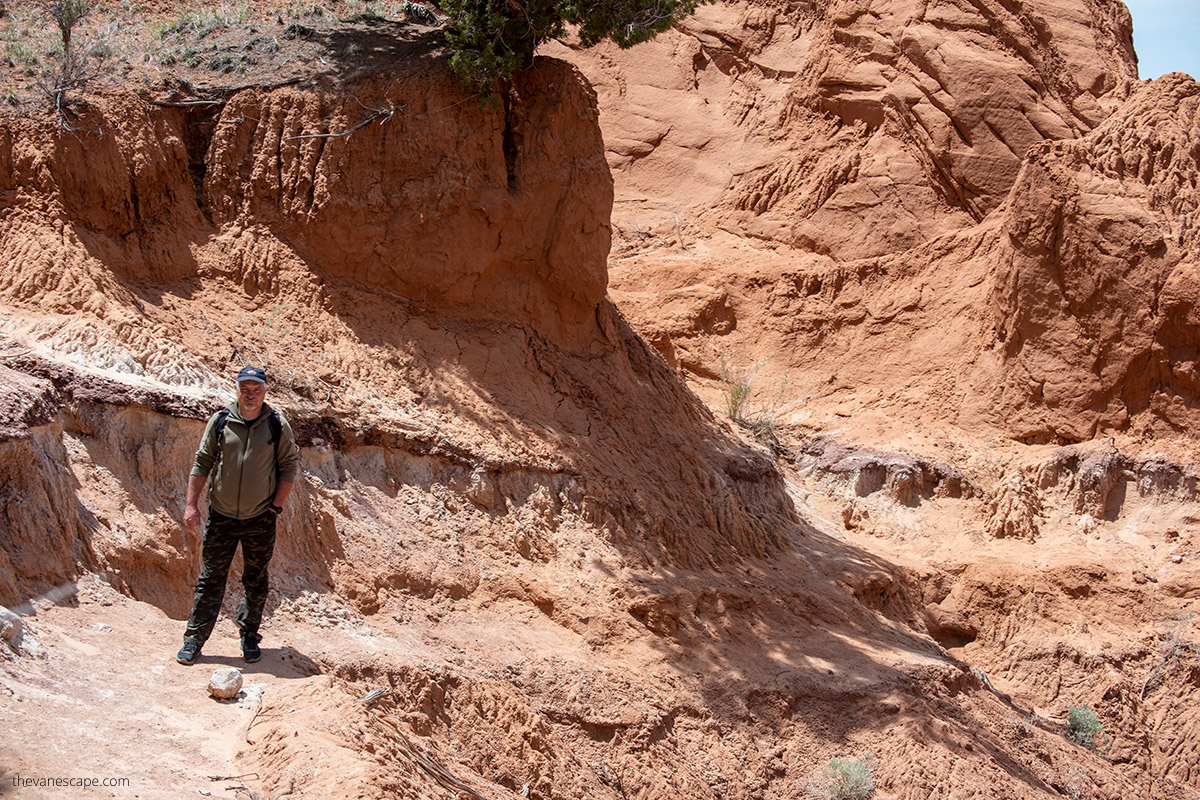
(379, 114)
(435, 770)
(186, 103)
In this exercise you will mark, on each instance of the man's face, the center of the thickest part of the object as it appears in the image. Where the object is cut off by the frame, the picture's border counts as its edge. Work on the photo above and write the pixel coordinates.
(250, 397)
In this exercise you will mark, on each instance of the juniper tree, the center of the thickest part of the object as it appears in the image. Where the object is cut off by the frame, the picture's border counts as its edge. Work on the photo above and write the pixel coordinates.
(493, 39)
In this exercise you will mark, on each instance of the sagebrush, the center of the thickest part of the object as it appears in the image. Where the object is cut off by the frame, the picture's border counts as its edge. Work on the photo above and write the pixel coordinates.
(1084, 727)
(846, 779)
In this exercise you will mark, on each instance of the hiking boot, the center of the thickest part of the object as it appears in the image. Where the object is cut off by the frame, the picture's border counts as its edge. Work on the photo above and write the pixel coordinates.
(188, 654)
(250, 650)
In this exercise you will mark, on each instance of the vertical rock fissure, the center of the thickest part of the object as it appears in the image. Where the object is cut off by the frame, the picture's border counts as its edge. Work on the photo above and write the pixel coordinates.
(199, 123)
(511, 141)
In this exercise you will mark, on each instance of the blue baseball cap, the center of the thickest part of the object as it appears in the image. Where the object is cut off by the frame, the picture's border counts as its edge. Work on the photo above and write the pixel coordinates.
(252, 374)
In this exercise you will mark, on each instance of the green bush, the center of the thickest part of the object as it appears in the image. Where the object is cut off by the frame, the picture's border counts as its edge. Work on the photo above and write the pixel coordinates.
(1084, 727)
(760, 417)
(846, 779)
(739, 382)
(492, 39)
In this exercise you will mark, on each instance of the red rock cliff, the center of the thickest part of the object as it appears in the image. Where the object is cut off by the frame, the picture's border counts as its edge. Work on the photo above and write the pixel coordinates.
(500, 213)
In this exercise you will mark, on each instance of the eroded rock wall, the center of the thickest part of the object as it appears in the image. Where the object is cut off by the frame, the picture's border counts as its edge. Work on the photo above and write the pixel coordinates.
(852, 128)
(424, 277)
(1093, 297)
(498, 211)
(404, 184)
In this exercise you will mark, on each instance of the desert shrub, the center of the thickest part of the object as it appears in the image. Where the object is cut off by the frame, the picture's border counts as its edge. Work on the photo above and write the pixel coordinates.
(197, 23)
(227, 63)
(846, 779)
(66, 14)
(360, 11)
(74, 65)
(21, 33)
(20, 53)
(739, 384)
(756, 411)
(1074, 781)
(1084, 727)
(303, 9)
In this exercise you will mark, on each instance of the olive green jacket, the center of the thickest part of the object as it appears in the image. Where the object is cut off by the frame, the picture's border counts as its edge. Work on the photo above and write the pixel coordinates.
(244, 480)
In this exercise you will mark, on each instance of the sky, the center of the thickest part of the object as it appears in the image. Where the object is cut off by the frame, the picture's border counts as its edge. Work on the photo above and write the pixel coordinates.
(1166, 36)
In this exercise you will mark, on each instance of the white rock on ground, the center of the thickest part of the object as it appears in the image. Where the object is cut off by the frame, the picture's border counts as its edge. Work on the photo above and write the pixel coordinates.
(11, 628)
(225, 683)
(17, 635)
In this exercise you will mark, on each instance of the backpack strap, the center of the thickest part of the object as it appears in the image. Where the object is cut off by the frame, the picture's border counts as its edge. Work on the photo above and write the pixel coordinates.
(219, 434)
(276, 427)
(276, 437)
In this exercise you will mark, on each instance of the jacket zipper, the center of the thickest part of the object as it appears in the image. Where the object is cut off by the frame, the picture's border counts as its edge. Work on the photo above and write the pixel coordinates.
(242, 468)
(242, 461)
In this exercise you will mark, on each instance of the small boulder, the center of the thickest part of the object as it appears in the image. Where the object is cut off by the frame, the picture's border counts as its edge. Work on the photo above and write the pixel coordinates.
(11, 628)
(17, 634)
(225, 683)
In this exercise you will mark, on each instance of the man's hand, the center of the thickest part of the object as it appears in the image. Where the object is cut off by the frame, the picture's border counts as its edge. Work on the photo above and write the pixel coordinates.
(191, 509)
(191, 520)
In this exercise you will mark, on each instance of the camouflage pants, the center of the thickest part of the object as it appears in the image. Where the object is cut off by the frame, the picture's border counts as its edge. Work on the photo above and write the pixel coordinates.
(221, 537)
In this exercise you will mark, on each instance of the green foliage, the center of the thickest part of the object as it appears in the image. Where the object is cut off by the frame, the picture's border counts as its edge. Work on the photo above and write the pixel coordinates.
(492, 39)
(739, 384)
(760, 417)
(196, 23)
(1084, 727)
(846, 779)
(66, 14)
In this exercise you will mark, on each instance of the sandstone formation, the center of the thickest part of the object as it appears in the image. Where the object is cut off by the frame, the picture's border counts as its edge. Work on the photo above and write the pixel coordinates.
(1093, 296)
(853, 128)
(531, 191)
(963, 206)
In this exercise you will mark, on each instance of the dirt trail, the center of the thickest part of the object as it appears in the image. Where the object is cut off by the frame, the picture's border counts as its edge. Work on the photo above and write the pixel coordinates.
(108, 701)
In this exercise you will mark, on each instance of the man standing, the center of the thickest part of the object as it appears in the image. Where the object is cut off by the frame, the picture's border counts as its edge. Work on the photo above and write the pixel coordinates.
(251, 454)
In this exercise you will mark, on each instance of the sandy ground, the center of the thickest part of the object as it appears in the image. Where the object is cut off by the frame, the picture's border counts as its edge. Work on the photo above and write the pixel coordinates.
(108, 702)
